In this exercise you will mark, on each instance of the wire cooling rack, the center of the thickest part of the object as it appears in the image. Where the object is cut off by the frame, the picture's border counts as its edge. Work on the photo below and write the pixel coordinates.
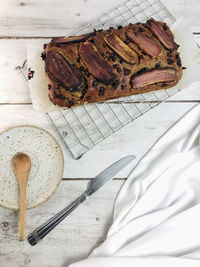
(83, 127)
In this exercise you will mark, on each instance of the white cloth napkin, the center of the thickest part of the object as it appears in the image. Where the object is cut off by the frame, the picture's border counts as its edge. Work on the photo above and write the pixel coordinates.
(157, 212)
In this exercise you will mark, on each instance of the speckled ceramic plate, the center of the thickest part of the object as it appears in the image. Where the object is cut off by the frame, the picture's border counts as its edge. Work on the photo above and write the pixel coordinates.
(46, 169)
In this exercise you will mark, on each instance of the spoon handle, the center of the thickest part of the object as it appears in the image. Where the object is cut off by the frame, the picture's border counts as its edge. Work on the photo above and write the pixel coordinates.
(22, 214)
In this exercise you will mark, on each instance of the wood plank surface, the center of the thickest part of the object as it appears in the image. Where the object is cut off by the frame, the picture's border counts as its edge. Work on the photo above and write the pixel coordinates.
(13, 88)
(72, 240)
(135, 138)
(86, 228)
(59, 18)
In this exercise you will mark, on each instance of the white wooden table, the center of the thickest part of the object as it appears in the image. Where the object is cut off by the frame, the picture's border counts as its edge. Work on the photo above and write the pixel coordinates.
(25, 21)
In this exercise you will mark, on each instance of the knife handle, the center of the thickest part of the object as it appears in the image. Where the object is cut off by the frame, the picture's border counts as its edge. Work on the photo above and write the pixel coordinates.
(45, 228)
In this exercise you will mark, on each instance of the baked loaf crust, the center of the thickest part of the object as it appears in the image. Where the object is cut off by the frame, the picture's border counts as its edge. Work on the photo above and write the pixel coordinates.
(112, 63)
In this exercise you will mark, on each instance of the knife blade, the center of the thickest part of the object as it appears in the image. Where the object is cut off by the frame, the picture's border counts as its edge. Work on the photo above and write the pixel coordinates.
(93, 186)
(102, 178)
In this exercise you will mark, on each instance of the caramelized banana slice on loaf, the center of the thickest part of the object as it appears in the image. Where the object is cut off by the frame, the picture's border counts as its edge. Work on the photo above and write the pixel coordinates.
(95, 63)
(123, 50)
(164, 75)
(63, 72)
(145, 43)
(71, 39)
(163, 33)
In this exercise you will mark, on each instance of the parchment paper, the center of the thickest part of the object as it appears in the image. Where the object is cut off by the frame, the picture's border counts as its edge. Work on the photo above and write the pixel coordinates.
(190, 57)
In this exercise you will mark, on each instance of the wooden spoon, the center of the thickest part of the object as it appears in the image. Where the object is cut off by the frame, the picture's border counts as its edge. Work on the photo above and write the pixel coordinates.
(21, 165)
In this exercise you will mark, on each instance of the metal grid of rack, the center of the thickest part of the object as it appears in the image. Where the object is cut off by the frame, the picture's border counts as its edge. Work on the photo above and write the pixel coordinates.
(83, 127)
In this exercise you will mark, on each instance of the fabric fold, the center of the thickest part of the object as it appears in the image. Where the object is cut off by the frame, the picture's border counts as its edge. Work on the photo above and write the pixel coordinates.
(156, 215)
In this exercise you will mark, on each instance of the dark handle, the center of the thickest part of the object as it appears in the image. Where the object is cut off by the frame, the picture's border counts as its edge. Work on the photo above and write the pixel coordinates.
(45, 228)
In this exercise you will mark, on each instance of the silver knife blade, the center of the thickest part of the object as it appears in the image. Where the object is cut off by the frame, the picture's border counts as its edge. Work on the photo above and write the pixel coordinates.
(102, 178)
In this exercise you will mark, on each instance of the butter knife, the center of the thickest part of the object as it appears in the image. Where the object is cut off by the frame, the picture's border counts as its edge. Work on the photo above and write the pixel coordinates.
(93, 186)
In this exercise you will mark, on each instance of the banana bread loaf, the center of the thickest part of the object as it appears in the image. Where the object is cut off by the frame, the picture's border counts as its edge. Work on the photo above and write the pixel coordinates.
(113, 63)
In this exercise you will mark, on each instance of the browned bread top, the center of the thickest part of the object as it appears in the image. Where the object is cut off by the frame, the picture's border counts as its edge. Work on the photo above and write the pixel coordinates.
(110, 64)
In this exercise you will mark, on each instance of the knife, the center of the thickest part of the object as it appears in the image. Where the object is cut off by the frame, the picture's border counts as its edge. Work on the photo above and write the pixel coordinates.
(93, 186)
